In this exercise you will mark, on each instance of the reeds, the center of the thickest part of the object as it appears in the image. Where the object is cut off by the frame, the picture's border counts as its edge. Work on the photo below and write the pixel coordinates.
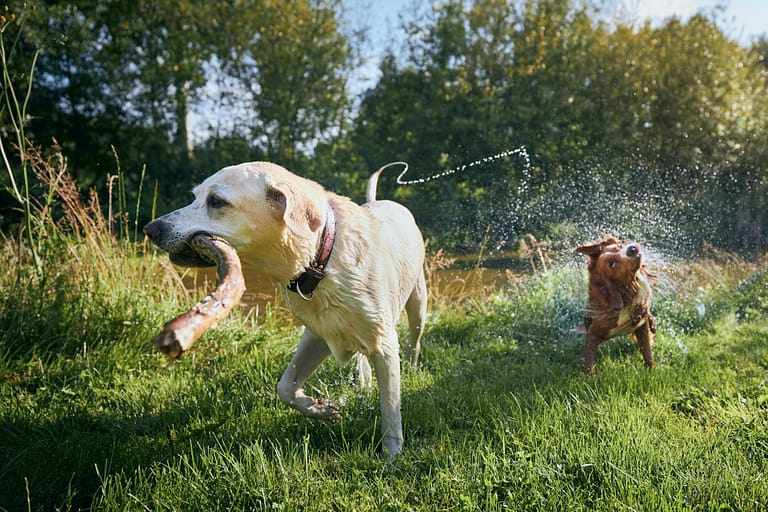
(73, 273)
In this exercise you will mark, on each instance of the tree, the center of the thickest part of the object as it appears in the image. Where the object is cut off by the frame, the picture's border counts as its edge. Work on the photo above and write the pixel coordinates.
(477, 79)
(125, 75)
(116, 75)
(649, 107)
(292, 61)
(156, 51)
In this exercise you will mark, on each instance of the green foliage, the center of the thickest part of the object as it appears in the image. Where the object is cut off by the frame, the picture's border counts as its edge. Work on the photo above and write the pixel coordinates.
(752, 297)
(127, 76)
(681, 103)
(498, 415)
(292, 61)
(570, 81)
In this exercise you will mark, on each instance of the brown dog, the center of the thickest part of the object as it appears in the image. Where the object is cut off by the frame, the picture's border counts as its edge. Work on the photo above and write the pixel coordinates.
(619, 297)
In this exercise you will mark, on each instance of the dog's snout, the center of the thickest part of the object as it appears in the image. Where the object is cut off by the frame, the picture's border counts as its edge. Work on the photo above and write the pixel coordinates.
(154, 229)
(633, 251)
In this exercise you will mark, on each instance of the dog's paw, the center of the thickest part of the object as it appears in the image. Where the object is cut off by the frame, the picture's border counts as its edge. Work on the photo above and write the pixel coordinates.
(391, 447)
(323, 409)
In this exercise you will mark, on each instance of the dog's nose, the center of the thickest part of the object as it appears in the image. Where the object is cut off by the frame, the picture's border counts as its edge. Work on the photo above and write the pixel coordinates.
(633, 251)
(154, 228)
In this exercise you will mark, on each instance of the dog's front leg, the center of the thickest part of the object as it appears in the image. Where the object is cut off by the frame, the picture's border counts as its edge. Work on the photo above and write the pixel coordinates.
(645, 337)
(311, 352)
(590, 352)
(387, 366)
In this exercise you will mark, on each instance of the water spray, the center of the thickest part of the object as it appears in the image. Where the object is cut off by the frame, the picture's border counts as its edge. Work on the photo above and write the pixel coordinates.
(521, 152)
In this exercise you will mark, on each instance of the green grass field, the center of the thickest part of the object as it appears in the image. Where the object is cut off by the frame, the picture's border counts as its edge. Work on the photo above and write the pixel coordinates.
(497, 417)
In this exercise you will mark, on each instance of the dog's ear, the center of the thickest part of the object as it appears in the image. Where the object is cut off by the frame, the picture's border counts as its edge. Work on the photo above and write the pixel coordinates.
(594, 249)
(298, 211)
(591, 250)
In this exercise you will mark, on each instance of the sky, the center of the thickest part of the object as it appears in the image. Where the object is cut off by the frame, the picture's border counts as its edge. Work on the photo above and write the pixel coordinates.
(742, 20)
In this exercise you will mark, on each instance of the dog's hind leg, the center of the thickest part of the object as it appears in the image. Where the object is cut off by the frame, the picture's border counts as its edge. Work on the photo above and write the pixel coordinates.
(364, 372)
(311, 352)
(416, 308)
(590, 353)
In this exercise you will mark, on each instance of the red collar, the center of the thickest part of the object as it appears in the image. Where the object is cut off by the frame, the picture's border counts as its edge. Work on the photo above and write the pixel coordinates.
(306, 283)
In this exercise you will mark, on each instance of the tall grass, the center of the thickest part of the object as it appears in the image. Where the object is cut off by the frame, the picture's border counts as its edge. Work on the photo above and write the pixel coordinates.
(14, 107)
(85, 284)
(73, 278)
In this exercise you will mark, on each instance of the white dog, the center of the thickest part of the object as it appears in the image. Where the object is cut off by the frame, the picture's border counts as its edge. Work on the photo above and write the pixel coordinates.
(346, 271)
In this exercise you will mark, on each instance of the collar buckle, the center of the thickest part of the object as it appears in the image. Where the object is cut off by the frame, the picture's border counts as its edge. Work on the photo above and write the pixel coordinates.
(304, 285)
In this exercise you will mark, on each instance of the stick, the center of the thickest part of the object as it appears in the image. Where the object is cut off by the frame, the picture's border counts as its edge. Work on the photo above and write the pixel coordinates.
(179, 334)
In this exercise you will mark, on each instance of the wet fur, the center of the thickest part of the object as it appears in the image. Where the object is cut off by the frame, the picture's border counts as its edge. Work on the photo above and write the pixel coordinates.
(619, 297)
(274, 220)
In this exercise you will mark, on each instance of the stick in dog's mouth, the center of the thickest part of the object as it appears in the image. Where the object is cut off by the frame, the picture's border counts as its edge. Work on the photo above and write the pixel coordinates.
(179, 334)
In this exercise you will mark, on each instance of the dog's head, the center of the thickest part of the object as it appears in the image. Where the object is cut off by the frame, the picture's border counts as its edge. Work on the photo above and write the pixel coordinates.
(613, 268)
(254, 206)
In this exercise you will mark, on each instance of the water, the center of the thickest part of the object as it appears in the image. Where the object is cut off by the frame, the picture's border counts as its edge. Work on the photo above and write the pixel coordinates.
(464, 277)
(522, 152)
(667, 209)
(565, 207)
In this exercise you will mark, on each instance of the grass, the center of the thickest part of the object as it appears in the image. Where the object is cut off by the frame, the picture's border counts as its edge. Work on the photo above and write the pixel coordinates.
(497, 417)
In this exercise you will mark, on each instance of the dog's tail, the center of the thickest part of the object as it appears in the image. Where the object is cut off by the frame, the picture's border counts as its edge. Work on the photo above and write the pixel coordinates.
(370, 190)
(373, 181)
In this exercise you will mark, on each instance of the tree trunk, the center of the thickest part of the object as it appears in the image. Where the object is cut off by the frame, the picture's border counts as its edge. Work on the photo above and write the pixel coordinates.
(182, 137)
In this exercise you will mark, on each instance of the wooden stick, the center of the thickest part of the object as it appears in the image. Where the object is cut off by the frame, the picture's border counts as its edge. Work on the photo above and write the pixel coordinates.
(179, 334)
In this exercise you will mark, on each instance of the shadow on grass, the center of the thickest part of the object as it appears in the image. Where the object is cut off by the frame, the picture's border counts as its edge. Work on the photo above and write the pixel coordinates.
(60, 455)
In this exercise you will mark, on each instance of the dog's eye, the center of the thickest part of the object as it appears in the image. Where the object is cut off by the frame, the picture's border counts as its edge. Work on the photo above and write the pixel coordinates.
(612, 264)
(214, 202)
